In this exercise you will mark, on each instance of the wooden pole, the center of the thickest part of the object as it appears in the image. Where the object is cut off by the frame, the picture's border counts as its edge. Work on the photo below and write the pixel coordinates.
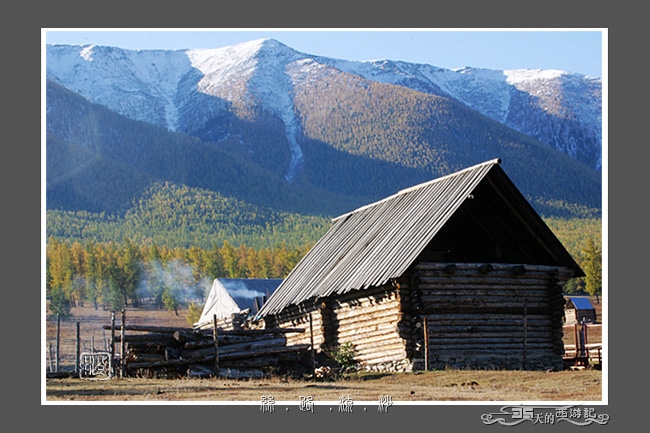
(112, 336)
(49, 352)
(426, 343)
(58, 341)
(78, 350)
(122, 343)
(524, 360)
(311, 341)
(215, 335)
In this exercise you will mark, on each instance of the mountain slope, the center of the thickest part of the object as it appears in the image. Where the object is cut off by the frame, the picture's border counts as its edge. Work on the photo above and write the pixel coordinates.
(433, 136)
(100, 161)
(559, 108)
(184, 89)
(282, 134)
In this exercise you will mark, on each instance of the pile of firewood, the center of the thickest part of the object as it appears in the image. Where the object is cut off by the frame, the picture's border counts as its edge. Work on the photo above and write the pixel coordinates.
(244, 353)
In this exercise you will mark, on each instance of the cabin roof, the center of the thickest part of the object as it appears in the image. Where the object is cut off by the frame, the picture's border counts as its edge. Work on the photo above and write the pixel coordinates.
(581, 303)
(474, 215)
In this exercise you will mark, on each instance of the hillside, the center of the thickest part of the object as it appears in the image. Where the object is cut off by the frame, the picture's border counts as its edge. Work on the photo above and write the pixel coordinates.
(179, 216)
(259, 143)
(188, 90)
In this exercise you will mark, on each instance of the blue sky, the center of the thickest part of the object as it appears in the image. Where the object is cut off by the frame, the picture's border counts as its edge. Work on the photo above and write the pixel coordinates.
(582, 51)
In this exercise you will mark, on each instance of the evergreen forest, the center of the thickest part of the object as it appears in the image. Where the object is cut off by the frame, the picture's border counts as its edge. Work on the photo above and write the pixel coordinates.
(171, 271)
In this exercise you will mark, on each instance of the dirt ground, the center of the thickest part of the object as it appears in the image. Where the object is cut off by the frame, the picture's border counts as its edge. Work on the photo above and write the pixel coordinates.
(431, 386)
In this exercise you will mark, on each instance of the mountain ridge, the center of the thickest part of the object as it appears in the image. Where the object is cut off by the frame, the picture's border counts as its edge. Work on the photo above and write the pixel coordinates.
(259, 69)
(302, 137)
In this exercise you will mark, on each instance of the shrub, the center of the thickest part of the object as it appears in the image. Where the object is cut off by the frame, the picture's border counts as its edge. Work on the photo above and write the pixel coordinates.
(344, 355)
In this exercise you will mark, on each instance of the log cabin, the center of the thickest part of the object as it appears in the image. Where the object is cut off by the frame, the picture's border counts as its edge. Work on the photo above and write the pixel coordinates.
(458, 272)
(579, 310)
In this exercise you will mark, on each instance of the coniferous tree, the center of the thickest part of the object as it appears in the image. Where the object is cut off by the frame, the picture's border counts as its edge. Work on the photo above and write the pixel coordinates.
(193, 313)
(59, 277)
(92, 294)
(592, 265)
(170, 300)
(59, 304)
(214, 263)
(78, 264)
(129, 270)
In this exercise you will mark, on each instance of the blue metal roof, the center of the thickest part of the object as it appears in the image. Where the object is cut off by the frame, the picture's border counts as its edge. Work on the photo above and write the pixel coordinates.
(581, 303)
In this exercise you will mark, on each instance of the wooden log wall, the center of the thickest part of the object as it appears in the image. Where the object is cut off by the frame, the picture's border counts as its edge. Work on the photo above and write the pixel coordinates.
(487, 316)
(299, 317)
(369, 320)
(505, 316)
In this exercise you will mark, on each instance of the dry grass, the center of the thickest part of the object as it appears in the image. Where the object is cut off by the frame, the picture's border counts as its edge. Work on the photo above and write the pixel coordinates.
(432, 386)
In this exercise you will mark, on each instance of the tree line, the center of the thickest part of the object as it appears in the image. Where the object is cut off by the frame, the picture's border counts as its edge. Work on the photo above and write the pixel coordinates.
(113, 275)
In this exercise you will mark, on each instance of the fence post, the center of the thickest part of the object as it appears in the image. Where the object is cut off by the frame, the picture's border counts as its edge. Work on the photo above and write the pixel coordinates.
(112, 338)
(58, 339)
(122, 345)
(77, 350)
(216, 345)
(524, 360)
(426, 344)
(49, 352)
(311, 339)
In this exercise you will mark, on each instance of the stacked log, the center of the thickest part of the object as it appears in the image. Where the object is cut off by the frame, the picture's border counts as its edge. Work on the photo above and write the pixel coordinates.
(370, 322)
(477, 316)
(241, 353)
(501, 316)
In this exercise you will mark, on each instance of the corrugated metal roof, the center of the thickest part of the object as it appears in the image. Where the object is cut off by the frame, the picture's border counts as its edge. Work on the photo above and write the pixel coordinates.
(378, 242)
(581, 303)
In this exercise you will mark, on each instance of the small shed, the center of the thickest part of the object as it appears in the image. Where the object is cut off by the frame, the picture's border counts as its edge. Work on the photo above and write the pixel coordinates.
(578, 309)
(234, 299)
(456, 272)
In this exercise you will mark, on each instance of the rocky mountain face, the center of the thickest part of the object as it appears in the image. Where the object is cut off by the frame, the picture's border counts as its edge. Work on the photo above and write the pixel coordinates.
(186, 90)
(323, 127)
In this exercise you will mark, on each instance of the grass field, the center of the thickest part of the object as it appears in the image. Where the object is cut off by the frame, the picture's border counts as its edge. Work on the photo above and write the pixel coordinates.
(431, 386)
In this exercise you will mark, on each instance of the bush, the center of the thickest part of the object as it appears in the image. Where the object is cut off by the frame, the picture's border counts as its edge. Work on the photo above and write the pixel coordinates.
(344, 355)
(193, 313)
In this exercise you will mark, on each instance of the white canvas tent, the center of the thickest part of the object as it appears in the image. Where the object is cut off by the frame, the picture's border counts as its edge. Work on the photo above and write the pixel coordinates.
(229, 296)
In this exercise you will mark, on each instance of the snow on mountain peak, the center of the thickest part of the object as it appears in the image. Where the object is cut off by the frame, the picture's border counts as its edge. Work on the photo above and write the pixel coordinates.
(160, 86)
(234, 73)
(87, 53)
(520, 75)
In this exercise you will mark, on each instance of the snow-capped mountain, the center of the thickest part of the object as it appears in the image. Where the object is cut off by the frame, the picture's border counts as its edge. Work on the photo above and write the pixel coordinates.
(556, 107)
(198, 91)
